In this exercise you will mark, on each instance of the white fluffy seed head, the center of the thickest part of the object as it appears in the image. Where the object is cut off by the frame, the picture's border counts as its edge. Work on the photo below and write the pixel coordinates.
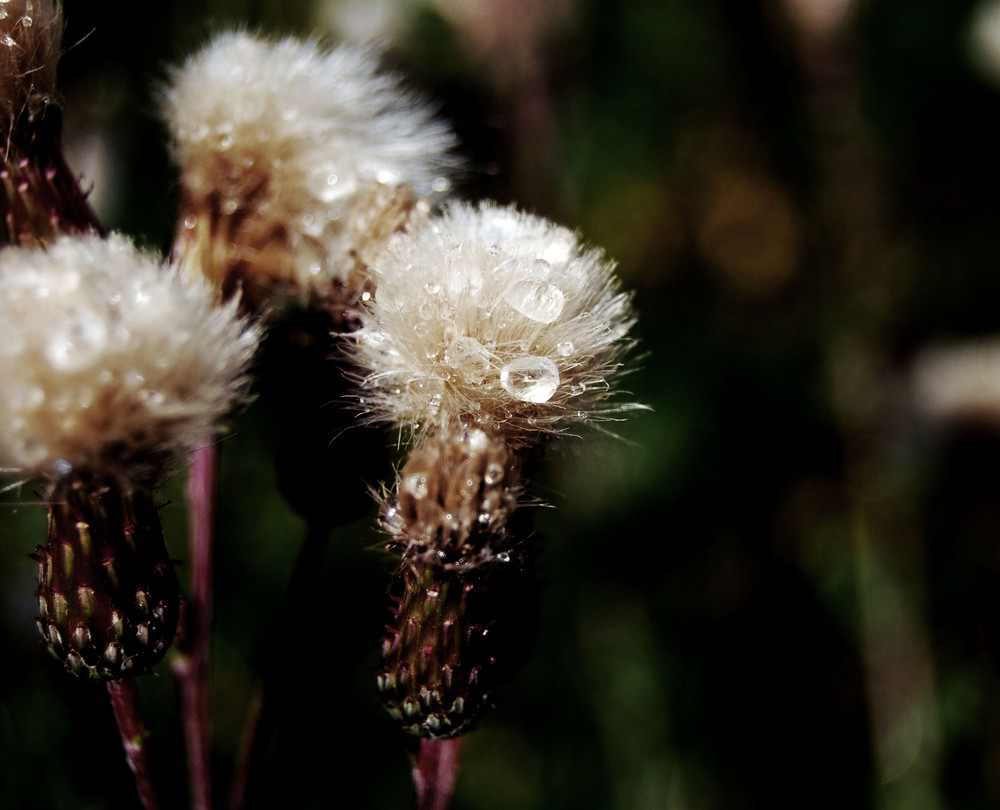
(494, 317)
(109, 362)
(278, 140)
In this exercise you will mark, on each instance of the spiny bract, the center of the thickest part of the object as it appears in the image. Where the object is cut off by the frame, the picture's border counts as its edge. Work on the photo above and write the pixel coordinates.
(491, 316)
(108, 359)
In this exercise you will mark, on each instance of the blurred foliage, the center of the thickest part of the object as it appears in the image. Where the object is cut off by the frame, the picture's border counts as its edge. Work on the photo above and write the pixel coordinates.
(779, 588)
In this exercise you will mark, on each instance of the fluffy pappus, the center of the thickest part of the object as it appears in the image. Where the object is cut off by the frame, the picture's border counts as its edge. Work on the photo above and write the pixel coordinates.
(278, 141)
(493, 317)
(110, 362)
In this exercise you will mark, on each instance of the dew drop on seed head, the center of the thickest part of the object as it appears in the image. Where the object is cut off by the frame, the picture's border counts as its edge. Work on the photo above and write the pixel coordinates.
(476, 439)
(190, 221)
(557, 251)
(25, 397)
(26, 21)
(415, 485)
(565, 348)
(493, 474)
(60, 467)
(469, 358)
(77, 342)
(530, 379)
(539, 301)
(539, 270)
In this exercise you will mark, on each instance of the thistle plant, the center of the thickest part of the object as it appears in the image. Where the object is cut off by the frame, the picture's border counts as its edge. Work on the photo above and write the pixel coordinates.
(39, 196)
(491, 331)
(112, 367)
(297, 165)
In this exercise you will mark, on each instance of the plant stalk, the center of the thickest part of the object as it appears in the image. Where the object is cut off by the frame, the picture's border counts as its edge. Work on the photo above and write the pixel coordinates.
(125, 705)
(191, 669)
(435, 772)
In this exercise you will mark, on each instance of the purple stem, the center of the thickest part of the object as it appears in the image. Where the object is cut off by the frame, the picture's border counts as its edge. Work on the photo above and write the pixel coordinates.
(125, 705)
(191, 667)
(435, 772)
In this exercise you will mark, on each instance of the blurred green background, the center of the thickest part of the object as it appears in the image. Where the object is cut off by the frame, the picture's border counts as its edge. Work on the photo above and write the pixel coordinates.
(781, 587)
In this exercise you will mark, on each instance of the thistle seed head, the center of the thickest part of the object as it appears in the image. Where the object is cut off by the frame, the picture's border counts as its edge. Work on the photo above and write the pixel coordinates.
(491, 317)
(277, 143)
(109, 362)
(30, 37)
(453, 501)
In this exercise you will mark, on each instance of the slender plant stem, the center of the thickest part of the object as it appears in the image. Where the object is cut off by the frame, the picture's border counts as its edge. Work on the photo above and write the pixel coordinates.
(125, 705)
(191, 667)
(274, 681)
(435, 772)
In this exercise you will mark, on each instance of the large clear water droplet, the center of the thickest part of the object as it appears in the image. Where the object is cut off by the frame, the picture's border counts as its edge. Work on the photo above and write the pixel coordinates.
(540, 301)
(469, 358)
(530, 379)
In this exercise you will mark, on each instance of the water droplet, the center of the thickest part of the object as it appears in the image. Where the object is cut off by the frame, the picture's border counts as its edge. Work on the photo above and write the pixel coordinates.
(476, 439)
(190, 221)
(77, 342)
(229, 207)
(557, 251)
(440, 184)
(565, 348)
(469, 358)
(432, 289)
(416, 485)
(152, 396)
(530, 379)
(8, 40)
(26, 397)
(331, 179)
(538, 300)
(3, 14)
(577, 389)
(539, 270)
(225, 140)
(493, 474)
(60, 467)
(26, 21)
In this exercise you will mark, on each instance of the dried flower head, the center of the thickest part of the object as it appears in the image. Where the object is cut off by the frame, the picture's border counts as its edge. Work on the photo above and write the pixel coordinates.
(494, 317)
(40, 197)
(277, 141)
(109, 361)
(30, 37)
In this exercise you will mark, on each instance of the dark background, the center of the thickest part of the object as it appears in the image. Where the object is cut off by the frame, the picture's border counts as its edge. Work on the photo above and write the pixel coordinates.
(781, 587)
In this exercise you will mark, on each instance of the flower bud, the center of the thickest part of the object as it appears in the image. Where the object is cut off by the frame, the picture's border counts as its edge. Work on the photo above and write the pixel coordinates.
(39, 195)
(107, 594)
